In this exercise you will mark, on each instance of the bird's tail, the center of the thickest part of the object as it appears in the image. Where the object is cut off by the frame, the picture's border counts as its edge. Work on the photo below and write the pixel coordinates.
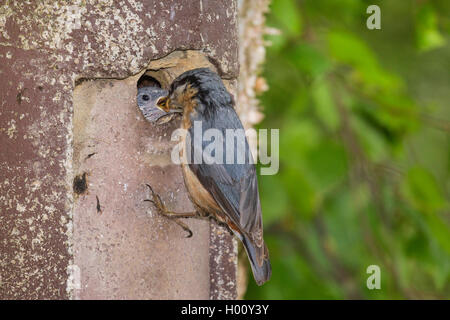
(259, 260)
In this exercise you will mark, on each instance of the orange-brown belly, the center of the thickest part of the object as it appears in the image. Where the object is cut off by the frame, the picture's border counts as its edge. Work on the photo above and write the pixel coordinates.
(198, 194)
(203, 200)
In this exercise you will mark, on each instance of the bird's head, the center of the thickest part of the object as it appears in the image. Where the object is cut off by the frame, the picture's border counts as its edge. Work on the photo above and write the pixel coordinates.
(201, 89)
(148, 99)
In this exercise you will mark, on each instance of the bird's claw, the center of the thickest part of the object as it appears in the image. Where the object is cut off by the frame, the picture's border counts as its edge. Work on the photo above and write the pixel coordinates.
(159, 204)
(156, 200)
(186, 228)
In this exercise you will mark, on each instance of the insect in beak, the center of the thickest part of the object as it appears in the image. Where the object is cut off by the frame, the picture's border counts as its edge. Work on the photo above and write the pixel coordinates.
(163, 103)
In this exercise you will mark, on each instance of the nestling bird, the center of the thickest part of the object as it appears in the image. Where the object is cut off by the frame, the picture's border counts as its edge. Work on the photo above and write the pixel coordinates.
(226, 191)
(147, 99)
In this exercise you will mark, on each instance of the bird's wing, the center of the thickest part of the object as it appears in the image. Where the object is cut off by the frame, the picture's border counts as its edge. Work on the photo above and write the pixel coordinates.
(233, 186)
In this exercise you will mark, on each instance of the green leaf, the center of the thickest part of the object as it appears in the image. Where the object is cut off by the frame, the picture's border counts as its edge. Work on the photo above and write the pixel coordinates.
(424, 194)
(373, 143)
(422, 191)
(348, 48)
(324, 105)
(440, 230)
(428, 35)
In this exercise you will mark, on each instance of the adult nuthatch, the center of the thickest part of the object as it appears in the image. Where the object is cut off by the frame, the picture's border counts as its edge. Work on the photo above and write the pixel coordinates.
(226, 191)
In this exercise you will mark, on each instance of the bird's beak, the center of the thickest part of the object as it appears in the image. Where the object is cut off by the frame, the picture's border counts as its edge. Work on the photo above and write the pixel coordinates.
(163, 103)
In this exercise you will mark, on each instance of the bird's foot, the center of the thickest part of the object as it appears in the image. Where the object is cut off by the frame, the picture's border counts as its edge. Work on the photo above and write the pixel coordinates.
(157, 202)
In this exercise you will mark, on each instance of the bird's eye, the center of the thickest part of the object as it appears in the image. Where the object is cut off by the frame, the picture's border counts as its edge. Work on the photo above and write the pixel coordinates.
(145, 97)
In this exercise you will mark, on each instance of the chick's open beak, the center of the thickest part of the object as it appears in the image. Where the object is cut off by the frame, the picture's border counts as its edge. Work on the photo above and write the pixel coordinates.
(163, 103)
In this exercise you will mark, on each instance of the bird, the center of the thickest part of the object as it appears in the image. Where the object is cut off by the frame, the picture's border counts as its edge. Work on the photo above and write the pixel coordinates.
(147, 99)
(227, 192)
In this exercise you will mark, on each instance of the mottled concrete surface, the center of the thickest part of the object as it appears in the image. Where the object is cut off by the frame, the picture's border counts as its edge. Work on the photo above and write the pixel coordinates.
(46, 47)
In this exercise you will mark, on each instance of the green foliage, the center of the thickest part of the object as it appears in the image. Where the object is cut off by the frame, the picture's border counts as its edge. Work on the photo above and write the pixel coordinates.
(364, 150)
(428, 34)
(287, 14)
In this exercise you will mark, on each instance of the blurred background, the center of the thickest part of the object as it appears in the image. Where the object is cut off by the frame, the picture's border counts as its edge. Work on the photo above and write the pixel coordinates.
(364, 177)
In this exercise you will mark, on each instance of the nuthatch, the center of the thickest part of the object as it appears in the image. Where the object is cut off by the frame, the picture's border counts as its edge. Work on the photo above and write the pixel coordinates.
(225, 191)
(147, 99)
